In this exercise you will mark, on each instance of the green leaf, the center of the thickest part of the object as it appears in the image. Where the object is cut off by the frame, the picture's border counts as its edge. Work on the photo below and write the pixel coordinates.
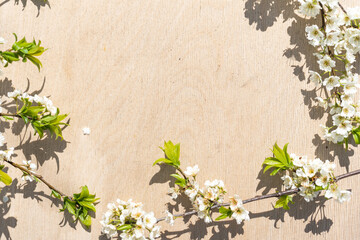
(224, 210)
(179, 180)
(55, 194)
(84, 192)
(5, 178)
(356, 135)
(275, 171)
(124, 227)
(8, 118)
(163, 160)
(85, 220)
(88, 205)
(221, 217)
(172, 152)
(283, 202)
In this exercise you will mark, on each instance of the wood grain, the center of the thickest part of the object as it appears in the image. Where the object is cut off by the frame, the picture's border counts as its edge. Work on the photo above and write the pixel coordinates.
(224, 78)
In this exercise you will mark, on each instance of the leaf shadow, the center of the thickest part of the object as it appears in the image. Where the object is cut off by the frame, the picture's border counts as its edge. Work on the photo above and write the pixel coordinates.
(38, 3)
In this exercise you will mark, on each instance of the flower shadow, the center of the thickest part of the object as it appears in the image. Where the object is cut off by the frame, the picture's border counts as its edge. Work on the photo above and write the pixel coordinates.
(225, 230)
(314, 212)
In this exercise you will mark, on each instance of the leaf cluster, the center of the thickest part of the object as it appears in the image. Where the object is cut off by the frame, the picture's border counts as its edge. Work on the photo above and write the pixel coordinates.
(280, 161)
(80, 205)
(284, 201)
(225, 213)
(172, 154)
(42, 120)
(23, 50)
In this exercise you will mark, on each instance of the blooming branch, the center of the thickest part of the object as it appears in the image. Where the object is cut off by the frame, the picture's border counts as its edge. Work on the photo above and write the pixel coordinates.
(337, 42)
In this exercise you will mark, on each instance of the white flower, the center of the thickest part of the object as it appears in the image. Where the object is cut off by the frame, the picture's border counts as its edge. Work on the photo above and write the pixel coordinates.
(310, 8)
(308, 193)
(350, 57)
(149, 220)
(173, 193)
(155, 233)
(343, 196)
(86, 131)
(27, 178)
(235, 202)
(350, 88)
(315, 77)
(288, 182)
(336, 138)
(14, 94)
(207, 219)
(169, 218)
(2, 139)
(331, 82)
(314, 34)
(310, 170)
(347, 110)
(337, 119)
(108, 229)
(327, 167)
(192, 171)
(344, 128)
(349, 99)
(354, 13)
(240, 214)
(332, 192)
(326, 63)
(321, 102)
(2, 40)
(322, 181)
(330, 3)
(299, 161)
(332, 24)
(191, 193)
(332, 38)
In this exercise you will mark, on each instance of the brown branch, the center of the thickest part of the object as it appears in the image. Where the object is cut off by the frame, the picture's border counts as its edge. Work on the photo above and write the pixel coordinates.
(27, 171)
(342, 8)
(261, 197)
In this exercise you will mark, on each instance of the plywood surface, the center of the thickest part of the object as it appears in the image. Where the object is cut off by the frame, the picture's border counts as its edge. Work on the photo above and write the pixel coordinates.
(225, 78)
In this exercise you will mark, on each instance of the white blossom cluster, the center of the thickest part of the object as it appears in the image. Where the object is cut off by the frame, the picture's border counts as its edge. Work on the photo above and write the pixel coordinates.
(31, 167)
(312, 176)
(337, 46)
(129, 217)
(203, 199)
(44, 101)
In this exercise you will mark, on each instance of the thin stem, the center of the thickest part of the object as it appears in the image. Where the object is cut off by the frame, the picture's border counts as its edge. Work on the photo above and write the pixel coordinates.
(37, 176)
(261, 197)
(342, 8)
(12, 115)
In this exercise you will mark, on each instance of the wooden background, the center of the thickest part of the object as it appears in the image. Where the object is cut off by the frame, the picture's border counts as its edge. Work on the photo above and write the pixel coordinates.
(225, 78)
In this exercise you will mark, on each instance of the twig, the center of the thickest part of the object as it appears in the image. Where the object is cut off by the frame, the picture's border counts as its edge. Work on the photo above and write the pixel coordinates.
(342, 8)
(261, 197)
(37, 176)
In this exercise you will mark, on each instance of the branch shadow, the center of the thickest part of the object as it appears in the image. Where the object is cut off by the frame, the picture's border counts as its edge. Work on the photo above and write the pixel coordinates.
(314, 212)
(41, 150)
(224, 230)
(38, 3)
(10, 192)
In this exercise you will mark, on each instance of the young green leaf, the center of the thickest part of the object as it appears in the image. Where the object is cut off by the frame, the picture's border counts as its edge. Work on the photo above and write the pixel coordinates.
(283, 202)
(5, 178)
